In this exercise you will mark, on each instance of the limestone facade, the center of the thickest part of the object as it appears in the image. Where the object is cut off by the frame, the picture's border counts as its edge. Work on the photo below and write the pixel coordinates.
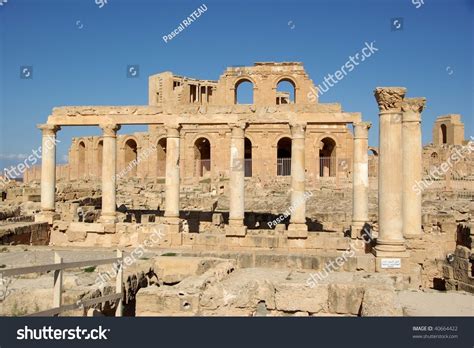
(205, 146)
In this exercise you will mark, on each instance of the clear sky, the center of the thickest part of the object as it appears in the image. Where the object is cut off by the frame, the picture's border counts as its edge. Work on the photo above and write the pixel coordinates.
(79, 52)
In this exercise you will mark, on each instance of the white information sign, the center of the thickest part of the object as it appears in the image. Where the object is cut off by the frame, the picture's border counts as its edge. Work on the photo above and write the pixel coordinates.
(391, 263)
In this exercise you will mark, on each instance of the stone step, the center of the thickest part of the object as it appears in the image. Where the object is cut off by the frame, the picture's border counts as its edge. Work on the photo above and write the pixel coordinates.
(314, 261)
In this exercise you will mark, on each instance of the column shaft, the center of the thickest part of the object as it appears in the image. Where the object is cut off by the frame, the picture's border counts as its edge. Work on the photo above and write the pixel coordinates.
(298, 227)
(109, 171)
(237, 176)
(172, 174)
(236, 226)
(390, 241)
(48, 168)
(412, 165)
(360, 182)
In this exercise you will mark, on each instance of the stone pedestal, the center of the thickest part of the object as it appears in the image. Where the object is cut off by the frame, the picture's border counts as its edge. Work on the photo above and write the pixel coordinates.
(390, 241)
(48, 174)
(412, 165)
(360, 182)
(109, 171)
(172, 180)
(298, 227)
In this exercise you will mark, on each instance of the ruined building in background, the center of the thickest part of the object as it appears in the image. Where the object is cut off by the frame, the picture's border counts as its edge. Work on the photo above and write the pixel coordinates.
(204, 150)
(449, 141)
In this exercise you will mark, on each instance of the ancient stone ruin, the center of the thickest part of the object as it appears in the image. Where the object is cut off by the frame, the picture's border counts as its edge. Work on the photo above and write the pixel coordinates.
(270, 208)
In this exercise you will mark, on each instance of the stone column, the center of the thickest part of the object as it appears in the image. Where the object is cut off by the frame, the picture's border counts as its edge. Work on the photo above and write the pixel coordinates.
(390, 241)
(298, 227)
(412, 150)
(360, 179)
(109, 171)
(172, 177)
(237, 181)
(48, 173)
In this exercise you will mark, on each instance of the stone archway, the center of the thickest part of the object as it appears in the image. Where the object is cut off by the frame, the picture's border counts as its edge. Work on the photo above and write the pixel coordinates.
(248, 157)
(327, 157)
(81, 160)
(285, 91)
(243, 91)
(202, 156)
(130, 153)
(284, 157)
(100, 148)
(444, 134)
(161, 158)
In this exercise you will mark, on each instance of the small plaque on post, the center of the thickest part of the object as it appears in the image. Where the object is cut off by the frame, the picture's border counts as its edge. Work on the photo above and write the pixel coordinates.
(391, 263)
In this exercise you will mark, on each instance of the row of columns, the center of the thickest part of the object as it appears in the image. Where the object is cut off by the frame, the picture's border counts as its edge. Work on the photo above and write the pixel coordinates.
(399, 204)
(109, 168)
(400, 167)
(236, 226)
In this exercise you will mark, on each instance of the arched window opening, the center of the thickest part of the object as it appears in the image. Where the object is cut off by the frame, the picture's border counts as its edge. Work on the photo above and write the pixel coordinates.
(285, 92)
(161, 158)
(100, 151)
(81, 167)
(202, 156)
(248, 157)
(243, 92)
(327, 158)
(444, 136)
(284, 157)
(131, 158)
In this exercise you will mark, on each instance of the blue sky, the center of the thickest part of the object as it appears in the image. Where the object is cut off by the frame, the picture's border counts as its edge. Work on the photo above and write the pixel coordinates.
(79, 53)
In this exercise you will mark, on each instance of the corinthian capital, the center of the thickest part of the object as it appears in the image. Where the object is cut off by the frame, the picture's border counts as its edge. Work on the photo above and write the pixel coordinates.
(110, 129)
(297, 128)
(390, 98)
(413, 104)
(361, 130)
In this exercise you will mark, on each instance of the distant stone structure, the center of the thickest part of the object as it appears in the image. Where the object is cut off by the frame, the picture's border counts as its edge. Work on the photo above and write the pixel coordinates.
(448, 130)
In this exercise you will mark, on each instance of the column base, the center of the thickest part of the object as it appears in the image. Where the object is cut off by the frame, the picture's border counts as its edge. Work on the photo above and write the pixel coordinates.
(356, 229)
(388, 248)
(172, 224)
(108, 219)
(235, 231)
(47, 216)
(297, 230)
